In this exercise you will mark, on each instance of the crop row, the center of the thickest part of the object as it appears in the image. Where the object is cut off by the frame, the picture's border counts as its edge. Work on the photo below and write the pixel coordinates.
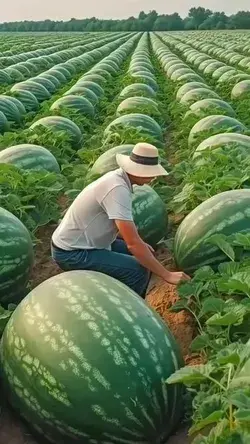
(211, 197)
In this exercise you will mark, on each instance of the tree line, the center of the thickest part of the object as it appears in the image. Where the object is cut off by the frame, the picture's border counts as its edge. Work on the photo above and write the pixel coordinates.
(198, 18)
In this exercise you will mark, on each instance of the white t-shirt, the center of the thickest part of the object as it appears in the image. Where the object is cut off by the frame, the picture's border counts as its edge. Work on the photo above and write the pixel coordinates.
(90, 220)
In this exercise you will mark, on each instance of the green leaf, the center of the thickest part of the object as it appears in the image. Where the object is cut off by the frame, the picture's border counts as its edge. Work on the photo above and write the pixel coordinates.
(243, 415)
(242, 240)
(220, 241)
(242, 378)
(200, 342)
(240, 400)
(204, 274)
(191, 375)
(213, 417)
(212, 305)
(228, 268)
(225, 320)
(240, 282)
(179, 306)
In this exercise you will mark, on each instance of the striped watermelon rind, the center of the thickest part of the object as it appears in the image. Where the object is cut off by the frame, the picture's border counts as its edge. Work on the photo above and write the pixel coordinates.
(150, 215)
(61, 124)
(85, 339)
(16, 257)
(225, 213)
(30, 157)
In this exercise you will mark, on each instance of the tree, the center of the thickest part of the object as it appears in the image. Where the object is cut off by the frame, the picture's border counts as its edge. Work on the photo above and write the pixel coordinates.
(241, 20)
(199, 15)
(213, 21)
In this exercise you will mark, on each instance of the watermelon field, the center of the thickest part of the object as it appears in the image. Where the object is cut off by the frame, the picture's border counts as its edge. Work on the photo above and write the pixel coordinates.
(82, 358)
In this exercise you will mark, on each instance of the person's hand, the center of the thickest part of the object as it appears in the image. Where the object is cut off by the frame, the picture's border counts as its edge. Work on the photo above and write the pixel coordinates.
(176, 277)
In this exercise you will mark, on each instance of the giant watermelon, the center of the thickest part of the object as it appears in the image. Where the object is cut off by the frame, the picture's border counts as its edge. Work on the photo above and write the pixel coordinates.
(214, 124)
(226, 213)
(85, 360)
(140, 122)
(16, 257)
(149, 213)
(61, 124)
(78, 104)
(30, 157)
(107, 161)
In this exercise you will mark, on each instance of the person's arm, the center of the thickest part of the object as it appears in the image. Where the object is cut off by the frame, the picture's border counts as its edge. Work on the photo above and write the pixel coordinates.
(141, 251)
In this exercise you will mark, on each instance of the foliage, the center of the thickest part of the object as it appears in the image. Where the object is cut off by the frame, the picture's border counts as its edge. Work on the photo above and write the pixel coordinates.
(197, 18)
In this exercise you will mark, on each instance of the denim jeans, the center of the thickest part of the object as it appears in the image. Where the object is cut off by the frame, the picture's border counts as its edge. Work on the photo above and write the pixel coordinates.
(117, 263)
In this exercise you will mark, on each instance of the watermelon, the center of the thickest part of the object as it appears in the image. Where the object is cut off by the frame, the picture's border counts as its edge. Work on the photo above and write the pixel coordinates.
(14, 74)
(219, 71)
(149, 213)
(226, 77)
(176, 66)
(39, 91)
(51, 78)
(225, 213)
(241, 90)
(4, 124)
(19, 105)
(229, 141)
(138, 104)
(50, 86)
(61, 124)
(16, 258)
(93, 77)
(85, 359)
(212, 67)
(56, 73)
(76, 103)
(137, 89)
(30, 157)
(190, 77)
(141, 122)
(215, 124)
(189, 87)
(207, 106)
(97, 89)
(83, 92)
(197, 94)
(179, 73)
(9, 109)
(107, 161)
(144, 78)
(5, 78)
(28, 100)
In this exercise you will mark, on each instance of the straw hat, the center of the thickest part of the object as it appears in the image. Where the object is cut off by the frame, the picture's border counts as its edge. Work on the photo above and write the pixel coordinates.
(142, 162)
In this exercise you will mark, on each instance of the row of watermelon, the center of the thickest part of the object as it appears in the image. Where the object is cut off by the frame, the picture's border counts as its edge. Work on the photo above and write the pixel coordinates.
(225, 213)
(12, 49)
(219, 71)
(23, 66)
(85, 333)
(14, 279)
(200, 100)
(27, 95)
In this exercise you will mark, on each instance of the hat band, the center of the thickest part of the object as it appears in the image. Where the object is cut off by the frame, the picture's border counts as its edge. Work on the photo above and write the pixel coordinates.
(144, 160)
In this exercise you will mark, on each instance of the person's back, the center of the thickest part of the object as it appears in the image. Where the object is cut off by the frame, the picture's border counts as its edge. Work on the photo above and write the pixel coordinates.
(89, 222)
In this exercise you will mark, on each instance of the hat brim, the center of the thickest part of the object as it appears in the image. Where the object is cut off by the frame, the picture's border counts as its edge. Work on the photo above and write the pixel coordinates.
(139, 170)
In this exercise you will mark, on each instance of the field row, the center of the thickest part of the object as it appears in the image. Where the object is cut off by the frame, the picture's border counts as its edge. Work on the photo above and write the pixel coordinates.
(179, 93)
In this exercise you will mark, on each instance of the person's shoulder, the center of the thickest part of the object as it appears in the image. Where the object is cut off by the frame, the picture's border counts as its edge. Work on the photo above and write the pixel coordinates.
(115, 179)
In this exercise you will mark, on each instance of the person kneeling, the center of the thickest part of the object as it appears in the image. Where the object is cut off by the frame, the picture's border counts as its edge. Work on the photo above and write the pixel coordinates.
(98, 232)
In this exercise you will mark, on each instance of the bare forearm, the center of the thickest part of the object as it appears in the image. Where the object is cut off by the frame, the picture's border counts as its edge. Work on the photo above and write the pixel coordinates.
(142, 253)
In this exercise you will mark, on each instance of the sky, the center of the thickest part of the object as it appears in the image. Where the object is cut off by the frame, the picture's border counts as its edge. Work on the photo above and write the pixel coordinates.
(17, 10)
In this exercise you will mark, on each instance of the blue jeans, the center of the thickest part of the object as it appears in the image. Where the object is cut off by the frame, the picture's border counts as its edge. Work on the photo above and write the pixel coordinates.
(117, 263)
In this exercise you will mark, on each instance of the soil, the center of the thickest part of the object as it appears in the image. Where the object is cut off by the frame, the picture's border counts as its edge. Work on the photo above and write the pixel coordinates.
(161, 297)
